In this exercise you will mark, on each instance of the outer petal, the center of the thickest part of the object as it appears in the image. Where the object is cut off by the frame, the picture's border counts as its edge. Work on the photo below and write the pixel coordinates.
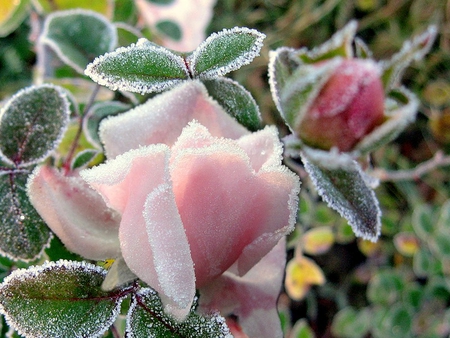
(76, 213)
(227, 209)
(152, 237)
(251, 298)
(161, 120)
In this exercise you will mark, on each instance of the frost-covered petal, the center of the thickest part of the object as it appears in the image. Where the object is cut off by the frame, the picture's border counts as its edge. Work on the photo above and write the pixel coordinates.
(151, 234)
(76, 213)
(161, 119)
(244, 210)
(253, 297)
(262, 147)
(171, 254)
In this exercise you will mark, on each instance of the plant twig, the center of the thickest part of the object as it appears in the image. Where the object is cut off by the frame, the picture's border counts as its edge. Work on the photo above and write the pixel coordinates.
(71, 153)
(438, 160)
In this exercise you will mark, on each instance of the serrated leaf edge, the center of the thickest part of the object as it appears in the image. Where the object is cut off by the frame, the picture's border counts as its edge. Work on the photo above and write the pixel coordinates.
(63, 95)
(125, 85)
(242, 60)
(61, 14)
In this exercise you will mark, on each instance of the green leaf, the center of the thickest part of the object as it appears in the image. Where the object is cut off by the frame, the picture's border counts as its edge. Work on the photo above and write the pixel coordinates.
(143, 67)
(12, 13)
(400, 110)
(385, 288)
(425, 264)
(282, 65)
(96, 114)
(301, 329)
(340, 45)
(342, 184)
(83, 158)
(32, 124)
(412, 50)
(78, 36)
(126, 34)
(146, 318)
(224, 52)
(362, 50)
(59, 299)
(170, 29)
(423, 221)
(351, 323)
(236, 101)
(23, 234)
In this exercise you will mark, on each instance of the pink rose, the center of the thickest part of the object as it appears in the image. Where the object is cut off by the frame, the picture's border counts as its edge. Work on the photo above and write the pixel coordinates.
(202, 201)
(348, 107)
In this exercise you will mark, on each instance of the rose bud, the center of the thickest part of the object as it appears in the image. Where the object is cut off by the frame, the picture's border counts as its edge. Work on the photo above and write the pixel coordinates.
(348, 106)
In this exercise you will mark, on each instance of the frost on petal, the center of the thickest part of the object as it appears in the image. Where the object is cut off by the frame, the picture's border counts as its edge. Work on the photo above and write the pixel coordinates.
(161, 119)
(75, 213)
(242, 207)
(190, 16)
(262, 147)
(171, 254)
(253, 297)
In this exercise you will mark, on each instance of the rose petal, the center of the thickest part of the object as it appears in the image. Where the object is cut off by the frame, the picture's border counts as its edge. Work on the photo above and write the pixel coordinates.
(262, 147)
(76, 213)
(227, 209)
(161, 120)
(253, 297)
(170, 248)
(151, 234)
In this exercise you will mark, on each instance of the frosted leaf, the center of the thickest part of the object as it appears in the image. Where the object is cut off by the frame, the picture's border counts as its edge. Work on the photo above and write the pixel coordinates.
(236, 100)
(224, 52)
(78, 36)
(23, 233)
(59, 299)
(302, 89)
(412, 50)
(362, 50)
(400, 109)
(141, 68)
(340, 182)
(282, 64)
(96, 114)
(32, 124)
(146, 318)
(340, 44)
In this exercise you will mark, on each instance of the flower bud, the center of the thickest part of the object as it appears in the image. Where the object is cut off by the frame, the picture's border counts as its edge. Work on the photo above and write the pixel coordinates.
(348, 106)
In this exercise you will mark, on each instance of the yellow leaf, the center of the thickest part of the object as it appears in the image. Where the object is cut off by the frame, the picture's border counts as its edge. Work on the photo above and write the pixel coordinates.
(369, 248)
(406, 243)
(301, 274)
(318, 240)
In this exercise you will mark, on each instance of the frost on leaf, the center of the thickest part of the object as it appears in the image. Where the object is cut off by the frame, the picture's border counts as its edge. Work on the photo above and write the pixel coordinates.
(412, 50)
(340, 182)
(400, 109)
(59, 299)
(96, 114)
(146, 318)
(236, 101)
(32, 124)
(340, 44)
(141, 68)
(78, 36)
(224, 52)
(23, 233)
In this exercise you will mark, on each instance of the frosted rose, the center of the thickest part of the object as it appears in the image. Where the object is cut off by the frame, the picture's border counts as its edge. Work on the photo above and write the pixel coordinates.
(348, 107)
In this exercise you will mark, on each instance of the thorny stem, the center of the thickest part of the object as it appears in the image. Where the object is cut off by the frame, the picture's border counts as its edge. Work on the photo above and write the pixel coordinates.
(438, 160)
(66, 165)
